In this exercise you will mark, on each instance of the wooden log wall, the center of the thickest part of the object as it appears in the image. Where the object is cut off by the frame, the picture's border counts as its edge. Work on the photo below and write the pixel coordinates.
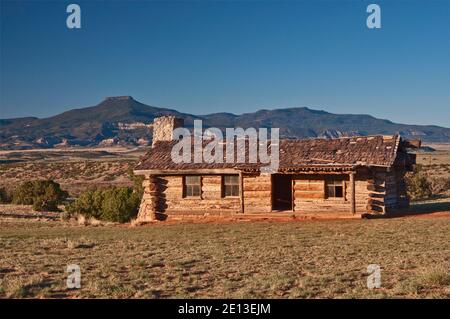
(387, 191)
(309, 194)
(376, 191)
(307, 188)
(391, 195)
(210, 201)
(402, 196)
(257, 193)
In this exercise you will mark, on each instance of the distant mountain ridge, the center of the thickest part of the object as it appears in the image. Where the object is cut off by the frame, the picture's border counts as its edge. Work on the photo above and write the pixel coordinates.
(123, 120)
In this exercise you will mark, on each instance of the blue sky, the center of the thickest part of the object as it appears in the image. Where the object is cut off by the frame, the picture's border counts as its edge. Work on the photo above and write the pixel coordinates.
(229, 56)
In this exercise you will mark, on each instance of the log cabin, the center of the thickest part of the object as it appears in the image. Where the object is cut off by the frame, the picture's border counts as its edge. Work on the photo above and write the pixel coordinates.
(342, 177)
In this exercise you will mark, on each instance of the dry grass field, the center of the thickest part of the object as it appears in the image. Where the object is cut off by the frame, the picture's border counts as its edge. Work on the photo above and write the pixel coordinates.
(309, 259)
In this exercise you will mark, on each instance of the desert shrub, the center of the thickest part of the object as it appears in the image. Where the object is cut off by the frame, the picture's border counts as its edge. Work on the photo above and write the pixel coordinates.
(117, 204)
(120, 204)
(23, 194)
(88, 204)
(42, 194)
(439, 185)
(5, 197)
(43, 203)
(418, 185)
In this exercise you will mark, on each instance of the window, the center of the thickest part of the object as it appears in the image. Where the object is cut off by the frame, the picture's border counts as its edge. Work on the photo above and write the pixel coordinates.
(230, 185)
(192, 186)
(335, 188)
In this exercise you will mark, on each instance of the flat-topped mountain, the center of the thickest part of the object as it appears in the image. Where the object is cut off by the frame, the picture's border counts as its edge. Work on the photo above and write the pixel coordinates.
(123, 120)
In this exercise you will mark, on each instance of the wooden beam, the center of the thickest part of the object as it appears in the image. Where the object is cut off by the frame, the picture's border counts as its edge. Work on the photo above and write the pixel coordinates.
(352, 193)
(293, 193)
(241, 191)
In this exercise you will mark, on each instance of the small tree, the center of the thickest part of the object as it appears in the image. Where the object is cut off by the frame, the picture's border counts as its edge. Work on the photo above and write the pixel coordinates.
(24, 194)
(42, 194)
(117, 204)
(42, 203)
(120, 204)
(88, 204)
(418, 185)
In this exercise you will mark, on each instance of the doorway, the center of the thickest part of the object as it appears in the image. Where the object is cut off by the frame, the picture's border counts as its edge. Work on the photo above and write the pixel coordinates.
(281, 192)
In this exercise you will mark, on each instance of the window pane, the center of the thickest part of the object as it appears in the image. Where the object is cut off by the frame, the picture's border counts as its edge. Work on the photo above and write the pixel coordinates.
(335, 187)
(334, 182)
(192, 186)
(231, 190)
(231, 179)
(230, 185)
(330, 191)
(235, 190)
(196, 190)
(338, 191)
(192, 180)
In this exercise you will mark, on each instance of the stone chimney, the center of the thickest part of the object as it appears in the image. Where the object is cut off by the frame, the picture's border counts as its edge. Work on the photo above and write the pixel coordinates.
(163, 128)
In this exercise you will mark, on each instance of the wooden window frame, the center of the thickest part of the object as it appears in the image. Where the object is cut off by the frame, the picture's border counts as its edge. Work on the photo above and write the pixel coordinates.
(200, 184)
(223, 186)
(335, 184)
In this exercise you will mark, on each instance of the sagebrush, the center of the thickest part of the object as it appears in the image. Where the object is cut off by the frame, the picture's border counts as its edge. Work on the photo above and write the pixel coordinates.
(44, 195)
(117, 204)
